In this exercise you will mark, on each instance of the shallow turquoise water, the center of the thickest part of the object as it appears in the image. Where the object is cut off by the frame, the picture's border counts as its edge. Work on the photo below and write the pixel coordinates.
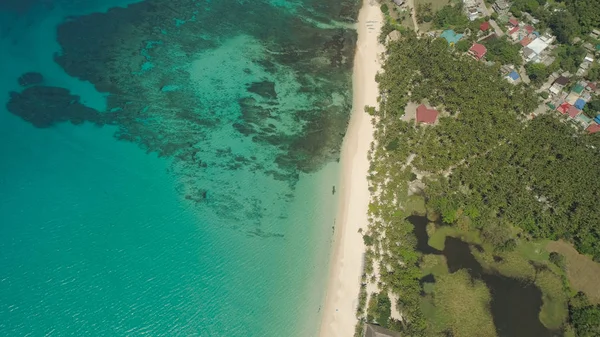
(181, 185)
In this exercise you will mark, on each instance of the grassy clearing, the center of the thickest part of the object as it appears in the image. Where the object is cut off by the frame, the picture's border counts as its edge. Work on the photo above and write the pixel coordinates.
(434, 264)
(512, 264)
(583, 273)
(415, 205)
(555, 309)
(438, 239)
(435, 6)
(463, 305)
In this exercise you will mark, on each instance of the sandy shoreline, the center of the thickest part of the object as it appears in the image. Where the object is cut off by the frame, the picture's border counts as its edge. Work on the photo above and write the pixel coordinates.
(339, 312)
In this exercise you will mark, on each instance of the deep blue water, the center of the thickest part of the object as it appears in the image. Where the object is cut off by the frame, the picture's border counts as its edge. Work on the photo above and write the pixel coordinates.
(167, 166)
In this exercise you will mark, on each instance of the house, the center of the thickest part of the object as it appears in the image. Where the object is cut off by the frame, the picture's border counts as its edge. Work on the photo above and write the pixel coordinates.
(561, 80)
(589, 47)
(529, 29)
(578, 89)
(579, 104)
(477, 51)
(572, 98)
(534, 49)
(589, 58)
(514, 33)
(399, 2)
(426, 115)
(372, 330)
(451, 36)
(593, 128)
(591, 87)
(528, 54)
(393, 36)
(555, 89)
(501, 6)
(513, 22)
(472, 13)
(513, 76)
(573, 111)
(563, 108)
(583, 120)
(484, 26)
(526, 41)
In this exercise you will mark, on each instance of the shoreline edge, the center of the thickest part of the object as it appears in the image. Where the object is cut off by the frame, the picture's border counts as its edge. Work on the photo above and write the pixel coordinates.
(346, 261)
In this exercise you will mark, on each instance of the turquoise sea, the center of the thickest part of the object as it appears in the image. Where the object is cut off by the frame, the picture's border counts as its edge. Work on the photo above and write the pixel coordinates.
(167, 167)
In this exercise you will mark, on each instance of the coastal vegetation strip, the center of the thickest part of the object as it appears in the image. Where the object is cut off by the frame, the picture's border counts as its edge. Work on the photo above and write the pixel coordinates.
(503, 185)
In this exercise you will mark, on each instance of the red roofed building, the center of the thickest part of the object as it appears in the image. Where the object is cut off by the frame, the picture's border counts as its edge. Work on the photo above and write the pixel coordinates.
(529, 29)
(526, 40)
(563, 108)
(484, 26)
(513, 30)
(592, 86)
(573, 111)
(513, 22)
(478, 51)
(593, 128)
(425, 115)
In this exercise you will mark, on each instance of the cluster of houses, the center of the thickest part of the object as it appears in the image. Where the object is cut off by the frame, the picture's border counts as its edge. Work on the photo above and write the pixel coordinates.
(571, 102)
(536, 47)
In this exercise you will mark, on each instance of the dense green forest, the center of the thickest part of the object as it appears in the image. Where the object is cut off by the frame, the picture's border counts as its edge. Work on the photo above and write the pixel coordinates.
(486, 168)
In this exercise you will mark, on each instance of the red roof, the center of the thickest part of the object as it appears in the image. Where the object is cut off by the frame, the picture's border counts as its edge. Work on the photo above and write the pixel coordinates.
(484, 26)
(514, 30)
(425, 115)
(592, 86)
(526, 40)
(513, 22)
(573, 111)
(593, 128)
(563, 108)
(529, 29)
(478, 50)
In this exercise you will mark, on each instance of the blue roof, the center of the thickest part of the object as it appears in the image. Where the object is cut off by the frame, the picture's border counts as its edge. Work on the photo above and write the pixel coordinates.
(536, 34)
(579, 104)
(451, 36)
(597, 119)
(514, 75)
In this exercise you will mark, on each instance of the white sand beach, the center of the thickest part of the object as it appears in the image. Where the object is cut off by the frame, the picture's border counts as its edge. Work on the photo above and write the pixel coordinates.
(339, 315)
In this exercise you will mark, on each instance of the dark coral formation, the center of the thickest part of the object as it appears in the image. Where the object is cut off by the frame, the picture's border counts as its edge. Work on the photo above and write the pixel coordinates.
(135, 53)
(31, 78)
(45, 106)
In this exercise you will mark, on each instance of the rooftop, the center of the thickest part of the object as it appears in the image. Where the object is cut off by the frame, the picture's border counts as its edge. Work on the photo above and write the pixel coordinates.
(563, 108)
(573, 111)
(578, 88)
(478, 50)
(593, 128)
(484, 26)
(579, 104)
(426, 115)
(513, 21)
(514, 75)
(538, 46)
(377, 331)
(526, 41)
(562, 80)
